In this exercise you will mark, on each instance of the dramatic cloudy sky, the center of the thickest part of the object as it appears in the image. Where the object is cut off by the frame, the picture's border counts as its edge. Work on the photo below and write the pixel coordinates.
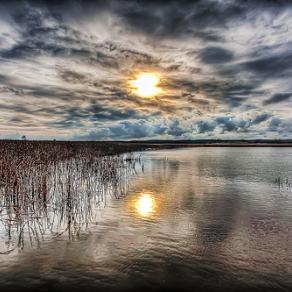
(225, 69)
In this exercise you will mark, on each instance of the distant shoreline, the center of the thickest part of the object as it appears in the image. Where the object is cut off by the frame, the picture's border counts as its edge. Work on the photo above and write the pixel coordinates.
(157, 146)
(220, 145)
(211, 143)
(119, 147)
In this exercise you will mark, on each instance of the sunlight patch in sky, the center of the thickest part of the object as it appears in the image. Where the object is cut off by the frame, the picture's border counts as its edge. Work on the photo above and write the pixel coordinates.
(146, 85)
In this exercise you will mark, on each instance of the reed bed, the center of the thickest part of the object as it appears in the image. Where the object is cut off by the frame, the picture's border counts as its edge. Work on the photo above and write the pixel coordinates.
(52, 188)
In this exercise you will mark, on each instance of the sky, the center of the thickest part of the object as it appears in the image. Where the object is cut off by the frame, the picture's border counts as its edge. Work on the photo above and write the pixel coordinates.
(223, 69)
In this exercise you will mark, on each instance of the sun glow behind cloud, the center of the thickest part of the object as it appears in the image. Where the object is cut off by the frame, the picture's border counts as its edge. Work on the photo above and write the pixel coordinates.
(146, 85)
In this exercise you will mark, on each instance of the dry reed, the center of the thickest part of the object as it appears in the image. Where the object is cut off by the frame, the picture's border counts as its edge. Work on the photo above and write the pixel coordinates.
(52, 188)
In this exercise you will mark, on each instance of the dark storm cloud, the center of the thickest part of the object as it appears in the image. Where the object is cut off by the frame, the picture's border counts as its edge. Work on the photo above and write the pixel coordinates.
(111, 114)
(280, 126)
(228, 91)
(278, 97)
(276, 65)
(10, 89)
(96, 114)
(205, 126)
(203, 19)
(215, 55)
(46, 34)
(275, 124)
(230, 123)
(231, 92)
(3, 79)
(59, 41)
(130, 130)
(136, 130)
(73, 77)
(142, 129)
(178, 18)
(16, 108)
(124, 130)
(261, 118)
(175, 129)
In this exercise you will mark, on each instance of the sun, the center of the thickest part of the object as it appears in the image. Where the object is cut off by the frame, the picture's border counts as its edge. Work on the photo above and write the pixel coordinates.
(146, 84)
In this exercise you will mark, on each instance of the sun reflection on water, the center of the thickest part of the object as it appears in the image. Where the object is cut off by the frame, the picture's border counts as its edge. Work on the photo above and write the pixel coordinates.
(145, 205)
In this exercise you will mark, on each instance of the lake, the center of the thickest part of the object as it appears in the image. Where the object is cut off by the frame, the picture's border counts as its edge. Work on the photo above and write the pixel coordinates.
(216, 218)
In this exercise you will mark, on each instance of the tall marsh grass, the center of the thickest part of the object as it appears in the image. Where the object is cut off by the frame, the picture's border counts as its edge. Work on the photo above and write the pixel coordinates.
(52, 188)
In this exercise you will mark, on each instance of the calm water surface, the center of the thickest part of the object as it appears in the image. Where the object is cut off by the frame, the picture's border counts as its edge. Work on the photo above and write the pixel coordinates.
(197, 218)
